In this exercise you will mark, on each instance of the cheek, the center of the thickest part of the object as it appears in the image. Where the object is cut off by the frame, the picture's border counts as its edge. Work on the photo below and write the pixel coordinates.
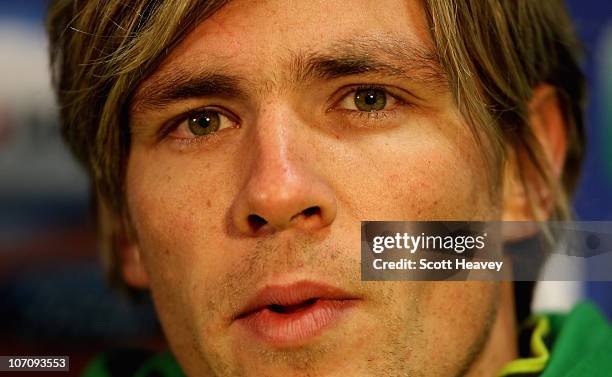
(175, 214)
(427, 171)
(179, 221)
(159, 207)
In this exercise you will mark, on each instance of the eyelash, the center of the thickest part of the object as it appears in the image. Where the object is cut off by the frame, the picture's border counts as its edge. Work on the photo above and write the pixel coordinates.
(175, 123)
(367, 116)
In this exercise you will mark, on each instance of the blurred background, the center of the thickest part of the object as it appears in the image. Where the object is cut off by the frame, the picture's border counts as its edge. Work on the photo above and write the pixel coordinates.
(53, 297)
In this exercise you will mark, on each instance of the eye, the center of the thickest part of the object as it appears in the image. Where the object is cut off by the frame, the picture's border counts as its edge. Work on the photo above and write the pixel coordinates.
(204, 123)
(367, 100)
(201, 123)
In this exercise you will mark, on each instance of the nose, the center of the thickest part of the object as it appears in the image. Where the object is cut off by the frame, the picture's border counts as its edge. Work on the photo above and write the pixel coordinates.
(282, 189)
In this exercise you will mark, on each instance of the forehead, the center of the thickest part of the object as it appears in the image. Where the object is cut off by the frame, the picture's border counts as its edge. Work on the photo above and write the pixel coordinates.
(247, 35)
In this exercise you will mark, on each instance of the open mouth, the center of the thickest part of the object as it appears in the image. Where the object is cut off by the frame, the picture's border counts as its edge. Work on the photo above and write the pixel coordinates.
(291, 315)
(288, 309)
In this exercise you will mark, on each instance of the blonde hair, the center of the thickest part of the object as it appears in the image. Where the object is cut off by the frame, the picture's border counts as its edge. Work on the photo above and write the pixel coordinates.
(494, 53)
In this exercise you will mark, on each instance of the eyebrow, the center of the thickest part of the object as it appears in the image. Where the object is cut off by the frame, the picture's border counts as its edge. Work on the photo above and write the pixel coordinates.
(386, 55)
(183, 84)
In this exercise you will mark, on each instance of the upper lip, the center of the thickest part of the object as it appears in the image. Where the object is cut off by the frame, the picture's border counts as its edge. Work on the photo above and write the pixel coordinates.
(292, 294)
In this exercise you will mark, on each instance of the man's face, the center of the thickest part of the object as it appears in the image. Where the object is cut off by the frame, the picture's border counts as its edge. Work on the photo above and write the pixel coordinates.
(258, 146)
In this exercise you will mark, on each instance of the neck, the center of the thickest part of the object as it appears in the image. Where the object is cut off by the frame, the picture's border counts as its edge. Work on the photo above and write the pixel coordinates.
(501, 346)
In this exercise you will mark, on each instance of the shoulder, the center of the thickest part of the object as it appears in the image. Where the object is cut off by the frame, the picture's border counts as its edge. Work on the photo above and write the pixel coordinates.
(582, 343)
(575, 344)
(133, 363)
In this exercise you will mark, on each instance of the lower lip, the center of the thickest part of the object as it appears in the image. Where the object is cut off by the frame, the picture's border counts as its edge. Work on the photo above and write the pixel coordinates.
(286, 329)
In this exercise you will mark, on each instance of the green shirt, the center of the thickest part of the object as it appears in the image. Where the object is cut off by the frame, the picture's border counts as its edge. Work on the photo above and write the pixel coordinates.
(578, 344)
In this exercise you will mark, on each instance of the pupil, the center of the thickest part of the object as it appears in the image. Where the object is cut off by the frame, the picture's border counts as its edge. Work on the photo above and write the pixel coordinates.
(370, 98)
(204, 122)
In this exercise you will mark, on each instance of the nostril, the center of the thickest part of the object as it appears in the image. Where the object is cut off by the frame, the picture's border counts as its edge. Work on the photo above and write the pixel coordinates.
(311, 211)
(256, 222)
